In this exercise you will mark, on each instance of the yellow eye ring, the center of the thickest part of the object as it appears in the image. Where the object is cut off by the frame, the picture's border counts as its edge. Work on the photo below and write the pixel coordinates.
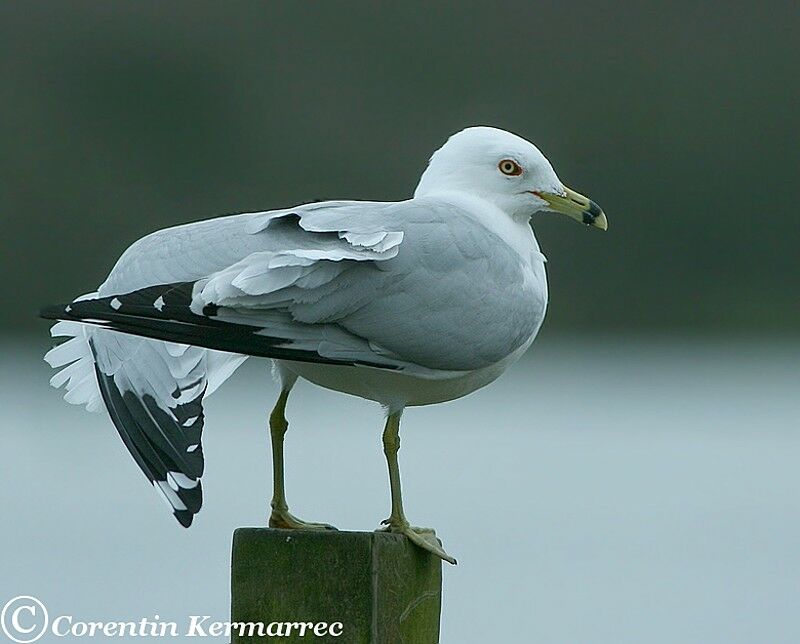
(510, 167)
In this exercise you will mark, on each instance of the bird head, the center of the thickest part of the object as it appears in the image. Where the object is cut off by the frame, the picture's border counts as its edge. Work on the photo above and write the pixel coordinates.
(507, 171)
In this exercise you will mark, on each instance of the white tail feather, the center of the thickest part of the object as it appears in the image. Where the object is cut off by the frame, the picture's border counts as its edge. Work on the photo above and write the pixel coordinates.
(75, 362)
(74, 358)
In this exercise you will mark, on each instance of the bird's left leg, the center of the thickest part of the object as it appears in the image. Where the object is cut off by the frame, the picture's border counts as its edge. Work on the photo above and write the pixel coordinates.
(280, 516)
(425, 538)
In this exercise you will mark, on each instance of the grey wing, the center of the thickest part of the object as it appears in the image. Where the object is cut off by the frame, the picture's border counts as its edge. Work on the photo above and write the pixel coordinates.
(412, 286)
(421, 285)
(461, 298)
(153, 388)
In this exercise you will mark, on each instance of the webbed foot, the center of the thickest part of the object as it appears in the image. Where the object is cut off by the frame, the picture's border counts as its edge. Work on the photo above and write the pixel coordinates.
(286, 520)
(424, 538)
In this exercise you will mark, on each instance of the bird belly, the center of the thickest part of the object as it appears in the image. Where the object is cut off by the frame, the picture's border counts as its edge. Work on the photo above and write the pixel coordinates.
(398, 390)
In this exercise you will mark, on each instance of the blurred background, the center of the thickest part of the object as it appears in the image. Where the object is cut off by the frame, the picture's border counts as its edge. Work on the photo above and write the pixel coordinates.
(642, 457)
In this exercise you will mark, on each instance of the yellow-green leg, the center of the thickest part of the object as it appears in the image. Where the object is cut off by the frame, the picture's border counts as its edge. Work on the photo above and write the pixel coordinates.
(280, 516)
(425, 538)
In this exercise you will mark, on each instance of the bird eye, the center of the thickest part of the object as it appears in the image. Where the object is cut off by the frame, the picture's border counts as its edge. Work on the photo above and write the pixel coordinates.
(510, 167)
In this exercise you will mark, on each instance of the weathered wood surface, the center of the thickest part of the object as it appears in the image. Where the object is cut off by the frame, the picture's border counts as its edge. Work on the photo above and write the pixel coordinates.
(381, 588)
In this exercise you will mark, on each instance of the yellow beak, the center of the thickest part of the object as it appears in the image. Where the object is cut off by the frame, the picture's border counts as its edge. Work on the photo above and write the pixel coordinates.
(575, 205)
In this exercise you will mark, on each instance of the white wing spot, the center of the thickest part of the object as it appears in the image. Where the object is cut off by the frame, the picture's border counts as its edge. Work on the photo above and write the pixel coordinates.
(182, 480)
(159, 303)
(116, 304)
(191, 448)
(189, 421)
(169, 496)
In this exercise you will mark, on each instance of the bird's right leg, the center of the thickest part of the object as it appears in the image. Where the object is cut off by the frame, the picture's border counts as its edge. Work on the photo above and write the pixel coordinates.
(280, 516)
(425, 538)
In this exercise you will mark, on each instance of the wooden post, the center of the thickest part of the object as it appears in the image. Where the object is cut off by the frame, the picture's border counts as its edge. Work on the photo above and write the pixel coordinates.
(379, 586)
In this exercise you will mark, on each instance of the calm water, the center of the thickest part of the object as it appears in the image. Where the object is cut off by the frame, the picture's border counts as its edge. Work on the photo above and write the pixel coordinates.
(606, 491)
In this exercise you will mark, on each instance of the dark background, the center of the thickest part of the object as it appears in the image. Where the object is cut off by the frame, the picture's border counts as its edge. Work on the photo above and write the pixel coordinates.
(681, 120)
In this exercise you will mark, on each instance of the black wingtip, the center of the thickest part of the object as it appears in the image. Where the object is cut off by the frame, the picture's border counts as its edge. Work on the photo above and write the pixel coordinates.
(184, 517)
(173, 320)
(54, 312)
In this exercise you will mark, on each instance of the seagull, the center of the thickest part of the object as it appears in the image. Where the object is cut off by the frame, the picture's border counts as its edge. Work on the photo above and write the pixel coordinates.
(404, 303)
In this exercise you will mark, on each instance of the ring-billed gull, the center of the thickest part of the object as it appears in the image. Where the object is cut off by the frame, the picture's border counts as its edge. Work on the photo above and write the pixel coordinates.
(404, 303)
